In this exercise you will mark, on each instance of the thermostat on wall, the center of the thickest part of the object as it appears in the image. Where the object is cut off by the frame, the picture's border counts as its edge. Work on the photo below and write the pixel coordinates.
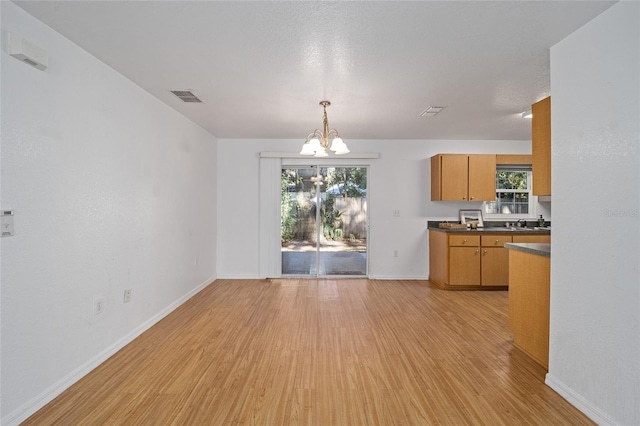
(7, 223)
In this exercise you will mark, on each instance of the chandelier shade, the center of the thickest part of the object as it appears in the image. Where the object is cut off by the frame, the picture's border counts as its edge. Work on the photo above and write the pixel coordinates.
(317, 143)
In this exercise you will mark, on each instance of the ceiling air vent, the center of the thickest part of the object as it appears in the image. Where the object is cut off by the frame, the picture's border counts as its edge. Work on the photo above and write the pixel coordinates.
(432, 111)
(186, 95)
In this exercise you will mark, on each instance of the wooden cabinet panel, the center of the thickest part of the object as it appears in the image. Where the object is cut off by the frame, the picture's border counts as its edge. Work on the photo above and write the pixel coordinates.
(464, 240)
(436, 190)
(544, 239)
(513, 159)
(529, 295)
(492, 240)
(454, 175)
(482, 177)
(438, 257)
(494, 263)
(464, 265)
(495, 266)
(541, 146)
(463, 177)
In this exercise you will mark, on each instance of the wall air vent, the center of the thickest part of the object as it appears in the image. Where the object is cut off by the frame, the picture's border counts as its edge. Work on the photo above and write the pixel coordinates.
(27, 52)
(186, 95)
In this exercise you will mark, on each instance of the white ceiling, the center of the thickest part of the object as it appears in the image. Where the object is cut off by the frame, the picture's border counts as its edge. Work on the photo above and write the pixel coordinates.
(262, 67)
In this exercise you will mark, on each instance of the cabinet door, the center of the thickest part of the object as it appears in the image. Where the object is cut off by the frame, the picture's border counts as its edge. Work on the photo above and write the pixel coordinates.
(541, 146)
(464, 265)
(495, 266)
(453, 177)
(482, 177)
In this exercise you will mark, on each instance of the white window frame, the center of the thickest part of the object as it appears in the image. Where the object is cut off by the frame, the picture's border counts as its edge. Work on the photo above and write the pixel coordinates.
(531, 204)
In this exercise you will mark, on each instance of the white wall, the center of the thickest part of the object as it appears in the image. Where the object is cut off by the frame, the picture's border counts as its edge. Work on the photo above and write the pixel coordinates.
(399, 179)
(595, 284)
(1, 138)
(112, 190)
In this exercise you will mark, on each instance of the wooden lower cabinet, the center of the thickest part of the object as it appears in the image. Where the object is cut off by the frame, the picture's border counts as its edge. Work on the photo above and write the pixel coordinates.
(529, 297)
(464, 265)
(464, 260)
(494, 266)
(473, 261)
(543, 239)
(438, 257)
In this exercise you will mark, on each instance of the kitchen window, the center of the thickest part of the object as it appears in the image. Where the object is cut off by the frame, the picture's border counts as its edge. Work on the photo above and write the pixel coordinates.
(513, 192)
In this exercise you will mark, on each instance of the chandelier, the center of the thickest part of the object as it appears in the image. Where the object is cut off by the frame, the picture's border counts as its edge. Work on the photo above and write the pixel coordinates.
(317, 142)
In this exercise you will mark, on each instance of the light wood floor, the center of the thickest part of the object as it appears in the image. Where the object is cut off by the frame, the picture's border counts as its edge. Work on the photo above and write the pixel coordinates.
(320, 352)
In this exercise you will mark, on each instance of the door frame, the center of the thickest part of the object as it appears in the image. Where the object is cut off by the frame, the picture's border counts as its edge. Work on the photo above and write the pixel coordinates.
(325, 163)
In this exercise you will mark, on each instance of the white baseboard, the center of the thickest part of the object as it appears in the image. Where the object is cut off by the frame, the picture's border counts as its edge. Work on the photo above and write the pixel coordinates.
(240, 277)
(372, 277)
(398, 278)
(30, 407)
(578, 401)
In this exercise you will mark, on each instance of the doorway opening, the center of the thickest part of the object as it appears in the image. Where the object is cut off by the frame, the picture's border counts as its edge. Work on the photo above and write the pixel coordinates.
(324, 221)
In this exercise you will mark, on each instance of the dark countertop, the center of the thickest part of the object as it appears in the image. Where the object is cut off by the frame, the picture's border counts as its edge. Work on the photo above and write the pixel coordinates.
(531, 248)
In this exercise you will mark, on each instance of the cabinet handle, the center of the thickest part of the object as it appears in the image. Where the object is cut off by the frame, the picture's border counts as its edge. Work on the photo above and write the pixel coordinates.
(497, 241)
(471, 198)
(465, 240)
(464, 198)
(477, 251)
(485, 252)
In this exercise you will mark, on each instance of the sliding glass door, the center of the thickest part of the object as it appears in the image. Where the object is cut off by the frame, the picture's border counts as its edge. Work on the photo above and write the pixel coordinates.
(324, 221)
(298, 221)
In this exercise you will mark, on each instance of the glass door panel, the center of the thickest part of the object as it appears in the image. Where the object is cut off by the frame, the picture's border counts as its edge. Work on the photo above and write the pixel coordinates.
(324, 221)
(298, 221)
(343, 220)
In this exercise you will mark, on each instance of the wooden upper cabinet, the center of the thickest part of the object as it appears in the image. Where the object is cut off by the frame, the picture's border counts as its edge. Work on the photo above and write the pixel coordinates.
(541, 146)
(454, 176)
(463, 177)
(482, 177)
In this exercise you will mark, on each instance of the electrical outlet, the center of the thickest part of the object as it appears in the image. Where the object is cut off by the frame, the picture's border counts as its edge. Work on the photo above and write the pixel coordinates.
(395, 253)
(127, 295)
(396, 213)
(98, 305)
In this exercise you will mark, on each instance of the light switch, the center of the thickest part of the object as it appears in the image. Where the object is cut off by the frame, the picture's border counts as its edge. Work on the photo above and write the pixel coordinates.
(7, 223)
